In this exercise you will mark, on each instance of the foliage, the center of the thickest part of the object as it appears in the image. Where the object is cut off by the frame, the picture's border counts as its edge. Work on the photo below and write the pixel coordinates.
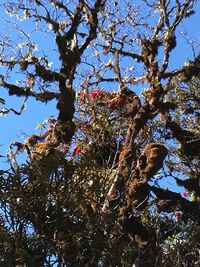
(91, 191)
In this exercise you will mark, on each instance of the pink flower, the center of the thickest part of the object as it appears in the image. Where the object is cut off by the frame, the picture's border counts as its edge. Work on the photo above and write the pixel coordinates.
(185, 193)
(50, 128)
(77, 150)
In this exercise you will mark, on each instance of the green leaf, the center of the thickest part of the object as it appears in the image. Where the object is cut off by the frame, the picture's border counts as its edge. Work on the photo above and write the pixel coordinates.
(157, 10)
(40, 126)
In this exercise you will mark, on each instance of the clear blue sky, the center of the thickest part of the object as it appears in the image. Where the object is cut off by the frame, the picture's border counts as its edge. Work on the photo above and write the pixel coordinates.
(36, 112)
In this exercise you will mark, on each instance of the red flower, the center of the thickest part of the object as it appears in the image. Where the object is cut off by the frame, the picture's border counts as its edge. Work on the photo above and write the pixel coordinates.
(99, 92)
(77, 150)
(93, 94)
(185, 193)
(83, 94)
(96, 93)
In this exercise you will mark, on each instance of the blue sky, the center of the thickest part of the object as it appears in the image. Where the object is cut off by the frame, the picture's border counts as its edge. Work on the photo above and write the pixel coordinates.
(35, 112)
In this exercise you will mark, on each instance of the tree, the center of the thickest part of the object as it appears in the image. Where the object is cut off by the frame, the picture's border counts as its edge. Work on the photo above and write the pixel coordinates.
(90, 192)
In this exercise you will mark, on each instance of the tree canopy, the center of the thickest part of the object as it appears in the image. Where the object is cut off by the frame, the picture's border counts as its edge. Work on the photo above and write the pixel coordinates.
(90, 188)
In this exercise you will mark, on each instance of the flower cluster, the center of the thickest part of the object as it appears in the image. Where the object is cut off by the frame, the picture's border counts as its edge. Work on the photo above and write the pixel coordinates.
(111, 99)
(96, 94)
